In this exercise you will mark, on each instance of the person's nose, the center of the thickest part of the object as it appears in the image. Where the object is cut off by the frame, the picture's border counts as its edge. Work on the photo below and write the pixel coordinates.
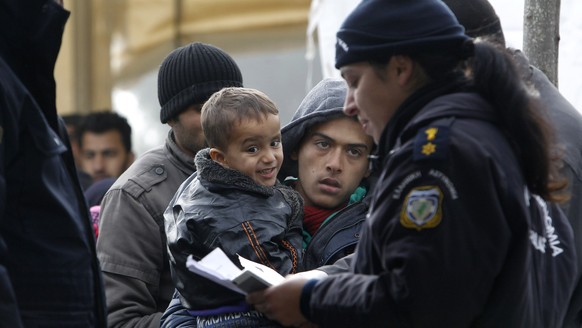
(270, 156)
(350, 108)
(334, 161)
(99, 163)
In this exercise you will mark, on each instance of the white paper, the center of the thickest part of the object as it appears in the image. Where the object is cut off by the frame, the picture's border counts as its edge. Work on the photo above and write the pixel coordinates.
(269, 275)
(217, 267)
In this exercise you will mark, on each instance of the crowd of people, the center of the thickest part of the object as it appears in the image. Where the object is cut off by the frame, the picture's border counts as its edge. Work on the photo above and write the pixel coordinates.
(438, 183)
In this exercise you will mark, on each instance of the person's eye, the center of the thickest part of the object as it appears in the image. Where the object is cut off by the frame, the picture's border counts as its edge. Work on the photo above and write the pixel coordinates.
(252, 149)
(354, 152)
(322, 144)
(352, 83)
(276, 143)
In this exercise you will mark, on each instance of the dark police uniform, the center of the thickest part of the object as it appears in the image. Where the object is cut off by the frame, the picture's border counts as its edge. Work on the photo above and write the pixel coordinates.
(453, 237)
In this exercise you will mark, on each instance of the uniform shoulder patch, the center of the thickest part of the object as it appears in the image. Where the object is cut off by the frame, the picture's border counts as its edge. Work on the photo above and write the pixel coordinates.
(422, 208)
(431, 142)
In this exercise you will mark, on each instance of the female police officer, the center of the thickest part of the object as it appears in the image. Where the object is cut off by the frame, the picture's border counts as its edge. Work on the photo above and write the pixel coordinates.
(459, 232)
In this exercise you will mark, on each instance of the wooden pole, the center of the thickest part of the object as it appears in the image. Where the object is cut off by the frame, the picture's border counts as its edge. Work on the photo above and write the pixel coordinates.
(541, 35)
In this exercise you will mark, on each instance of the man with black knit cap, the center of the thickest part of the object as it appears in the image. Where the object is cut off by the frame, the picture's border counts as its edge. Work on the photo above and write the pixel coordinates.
(480, 20)
(132, 243)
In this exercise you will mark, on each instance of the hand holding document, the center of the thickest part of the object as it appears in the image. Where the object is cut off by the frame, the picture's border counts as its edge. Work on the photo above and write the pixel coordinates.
(217, 267)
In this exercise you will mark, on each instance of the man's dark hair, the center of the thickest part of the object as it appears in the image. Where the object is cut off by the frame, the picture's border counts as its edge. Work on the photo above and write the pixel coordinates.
(72, 119)
(101, 122)
(72, 122)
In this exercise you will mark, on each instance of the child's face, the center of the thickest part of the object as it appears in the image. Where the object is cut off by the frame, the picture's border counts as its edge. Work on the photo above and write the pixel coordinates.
(255, 150)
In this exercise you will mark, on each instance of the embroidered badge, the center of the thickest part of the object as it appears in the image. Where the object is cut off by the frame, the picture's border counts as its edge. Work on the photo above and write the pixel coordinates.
(422, 208)
(431, 143)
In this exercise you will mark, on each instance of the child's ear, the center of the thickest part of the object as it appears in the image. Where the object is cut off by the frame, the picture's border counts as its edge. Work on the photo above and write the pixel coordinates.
(218, 156)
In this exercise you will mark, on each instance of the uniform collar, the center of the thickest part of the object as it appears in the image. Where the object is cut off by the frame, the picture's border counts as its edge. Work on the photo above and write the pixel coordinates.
(408, 110)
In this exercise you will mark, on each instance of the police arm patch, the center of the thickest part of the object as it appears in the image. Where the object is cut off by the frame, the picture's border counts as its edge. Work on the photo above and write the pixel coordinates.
(431, 143)
(422, 208)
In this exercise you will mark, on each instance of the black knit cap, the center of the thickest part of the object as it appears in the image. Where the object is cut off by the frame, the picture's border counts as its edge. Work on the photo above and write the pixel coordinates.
(478, 17)
(377, 29)
(191, 74)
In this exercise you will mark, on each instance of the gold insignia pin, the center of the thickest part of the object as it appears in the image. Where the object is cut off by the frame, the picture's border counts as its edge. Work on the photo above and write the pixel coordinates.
(431, 133)
(428, 148)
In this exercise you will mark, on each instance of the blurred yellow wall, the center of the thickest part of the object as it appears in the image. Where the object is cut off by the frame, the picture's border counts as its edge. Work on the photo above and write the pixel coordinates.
(108, 41)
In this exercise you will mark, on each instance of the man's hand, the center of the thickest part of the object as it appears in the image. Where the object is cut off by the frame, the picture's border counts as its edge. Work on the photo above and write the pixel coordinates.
(281, 302)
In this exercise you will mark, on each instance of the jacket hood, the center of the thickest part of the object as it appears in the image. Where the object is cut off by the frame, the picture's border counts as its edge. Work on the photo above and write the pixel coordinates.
(17, 22)
(323, 103)
(30, 39)
(32, 29)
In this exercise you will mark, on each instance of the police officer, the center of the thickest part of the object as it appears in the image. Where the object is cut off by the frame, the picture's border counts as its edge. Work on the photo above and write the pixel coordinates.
(461, 231)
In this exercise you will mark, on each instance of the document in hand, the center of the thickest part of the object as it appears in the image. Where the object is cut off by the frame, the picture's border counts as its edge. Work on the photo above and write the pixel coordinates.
(217, 267)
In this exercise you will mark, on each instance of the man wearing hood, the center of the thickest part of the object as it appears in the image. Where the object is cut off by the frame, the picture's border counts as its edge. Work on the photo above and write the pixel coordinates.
(49, 275)
(326, 161)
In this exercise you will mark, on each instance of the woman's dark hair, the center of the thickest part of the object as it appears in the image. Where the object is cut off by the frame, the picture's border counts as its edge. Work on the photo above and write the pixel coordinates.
(490, 71)
(496, 78)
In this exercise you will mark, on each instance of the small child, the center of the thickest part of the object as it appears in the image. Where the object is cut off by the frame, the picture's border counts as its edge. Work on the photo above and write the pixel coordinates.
(234, 202)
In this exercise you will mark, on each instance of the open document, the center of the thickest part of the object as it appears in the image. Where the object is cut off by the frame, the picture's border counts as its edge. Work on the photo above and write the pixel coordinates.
(217, 267)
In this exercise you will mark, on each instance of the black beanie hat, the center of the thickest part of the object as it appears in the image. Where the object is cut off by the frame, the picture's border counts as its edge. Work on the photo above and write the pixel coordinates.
(478, 17)
(377, 29)
(191, 74)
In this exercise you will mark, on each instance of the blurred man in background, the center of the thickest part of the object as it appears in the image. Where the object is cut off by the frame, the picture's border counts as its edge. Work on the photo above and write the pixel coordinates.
(104, 140)
(72, 122)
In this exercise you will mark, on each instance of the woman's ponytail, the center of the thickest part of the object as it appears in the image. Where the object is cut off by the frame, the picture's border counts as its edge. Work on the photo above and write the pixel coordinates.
(494, 76)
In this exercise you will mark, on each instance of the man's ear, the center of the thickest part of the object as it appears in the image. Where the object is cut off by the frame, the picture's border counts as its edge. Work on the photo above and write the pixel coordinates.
(171, 122)
(218, 156)
(130, 158)
(294, 156)
(368, 172)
